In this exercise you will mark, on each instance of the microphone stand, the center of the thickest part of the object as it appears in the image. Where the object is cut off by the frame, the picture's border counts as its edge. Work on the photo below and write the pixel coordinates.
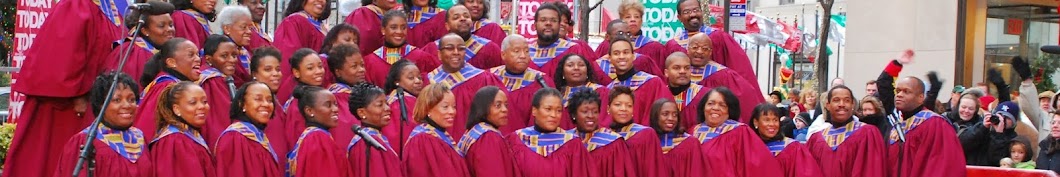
(88, 149)
(367, 154)
(404, 118)
(901, 139)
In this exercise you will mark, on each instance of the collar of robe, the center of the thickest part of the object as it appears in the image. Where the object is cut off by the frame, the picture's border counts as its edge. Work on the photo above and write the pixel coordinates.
(245, 118)
(619, 126)
(174, 73)
(433, 124)
(629, 74)
(839, 124)
(310, 123)
(680, 89)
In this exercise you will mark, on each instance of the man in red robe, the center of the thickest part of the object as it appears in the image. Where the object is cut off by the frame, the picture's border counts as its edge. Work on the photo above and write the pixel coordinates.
(480, 53)
(61, 68)
(725, 50)
(377, 62)
(259, 38)
(365, 19)
(646, 87)
(686, 94)
(482, 26)
(710, 74)
(520, 81)
(463, 79)
(644, 62)
(642, 43)
(549, 47)
(848, 147)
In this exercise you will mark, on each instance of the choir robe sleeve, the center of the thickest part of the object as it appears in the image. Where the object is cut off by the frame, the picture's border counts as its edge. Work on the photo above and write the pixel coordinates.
(187, 27)
(383, 164)
(487, 57)
(177, 155)
(257, 41)
(238, 156)
(740, 152)
(657, 52)
(134, 66)
(394, 131)
(519, 106)
(492, 31)
(465, 93)
(108, 162)
(370, 26)
(861, 154)
(296, 32)
(646, 154)
(932, 149)
(614, 159)
(690, 112)
(376, 69)
(343, 132)
(570, 160)
(742, 88)
(319, 156)
(276, 132)
(491, 156)
(220, 99)
(685, 160)
(648, 64)
(644, 96)
(729, 54)
(145, 113)
(603, 48)
(428, 31)
(294, 125)
(796, 161)
(426, 155)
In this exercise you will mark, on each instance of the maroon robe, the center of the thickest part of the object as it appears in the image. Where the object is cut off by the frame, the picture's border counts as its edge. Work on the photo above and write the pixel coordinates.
(726, 52)
(557, 154)
(480, 52)
(646, 89)
(243, 150)
(486, 152)
(794, 158)
(489, 30)
(293, 123)
(395, 131)
(192, 25)
(567, 122)
(145, 113)
(688, 102)
(368, 19)
(641, 62)
(520, 89)
(131, 161)
(851, 150)
(277, 130)
(546, 59)
(260, 38)
(642, 45)
(426, 24)
(929, 148)
(341, 132)
(71, 61)
(178, 153)
(297, 31)
(682, 156)
(464, 88)
(288, 84)
(381, 163)
(716, 75)
(316, 154)
(733, 149)
(644, 150)
(220, 100)
(609, 153)
(134, 66)
(377, 62)
(431, 152)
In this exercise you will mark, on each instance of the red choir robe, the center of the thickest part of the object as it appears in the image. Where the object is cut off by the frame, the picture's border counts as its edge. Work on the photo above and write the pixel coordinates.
(368, 19)
(646, 89)
(316, 154)
(546, 59)
(852, 150)
(642, 62)
(489, 30)
(928, 150)
(134, 66)
(244, 150)
(486, 152)
(480, 52)
(145, 113)
(643, 45)
(260, 38)
(464, 84)
(71, 61)
(716, 75)
(555, 154)
(688, 102)
(220, 100)
(432, 152)
(192, 25)
(794, 158)
(682, 158)
(342, 132)
(521, 89)
(242, 73)
(277, 130)
(118, 153)
(292, 123)
(297, 31)
(426, 24)
(380, 163)
(185, 153)
(644, 150)
(567, 122)
(726, 52)
(377, 62)
(733, 149)
(397, 131)
(610, 154)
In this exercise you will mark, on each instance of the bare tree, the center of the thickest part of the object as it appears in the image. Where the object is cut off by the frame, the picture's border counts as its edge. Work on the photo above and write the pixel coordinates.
(583, 18)
(822, 45)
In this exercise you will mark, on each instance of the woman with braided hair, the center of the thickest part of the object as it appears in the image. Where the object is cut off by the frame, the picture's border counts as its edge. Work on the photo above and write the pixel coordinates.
(179, 148)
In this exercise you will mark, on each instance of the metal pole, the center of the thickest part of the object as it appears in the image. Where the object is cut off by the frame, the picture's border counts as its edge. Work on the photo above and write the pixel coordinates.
(495, 15)
(725, 17)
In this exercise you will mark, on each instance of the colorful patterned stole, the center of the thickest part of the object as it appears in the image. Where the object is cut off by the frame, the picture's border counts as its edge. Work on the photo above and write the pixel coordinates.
(541, 55)
(515, 82)
(479, 24)
(248, 130)
(128, 143)
(244, 56)
(160, 79)
(139, 41)
(472, 135)
(393, 97)
(777, 146)
(473, 46)
(392, 55)
(698, 73)
(909, 124)
(110, 10)
(706, 133)
(634, 82)
(542, 143)
(337, 87)
(597, 139)
(378, 11)
(641, 41)
(435, 132)
(375, 135)
(682, 39)
(261, 31)
(569, 91)
(453, 79)
(209, 73)
(316, 23)
(182, 129)
(607, 67)
(632, 129)
(201, 18)
(685, 98)
(292, 157)
(836, 136)
(421, 14)
(671, 140)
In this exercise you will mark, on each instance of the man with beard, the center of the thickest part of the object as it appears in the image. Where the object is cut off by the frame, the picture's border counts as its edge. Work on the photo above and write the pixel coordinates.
(848, 147)
(725, 49)
(709, 73)
(686, 94)
(619, 28)
(463, 79)
(480, 53)
(521, 81)
(632, 12)
(482, 26)
(547, 50)
(377, 63)
(257, 10)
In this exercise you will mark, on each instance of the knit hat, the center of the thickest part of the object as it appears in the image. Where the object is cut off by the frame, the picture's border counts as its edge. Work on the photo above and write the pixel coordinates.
(1008, 109)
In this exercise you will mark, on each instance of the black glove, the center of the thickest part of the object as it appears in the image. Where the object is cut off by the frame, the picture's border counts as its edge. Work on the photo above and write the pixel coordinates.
(995, 78)
(936, 83)
(1023, 68)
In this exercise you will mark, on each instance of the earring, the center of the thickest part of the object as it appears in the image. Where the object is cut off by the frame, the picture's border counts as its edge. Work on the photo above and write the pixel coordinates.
(311, 116)
(244, 110)
(178, 114)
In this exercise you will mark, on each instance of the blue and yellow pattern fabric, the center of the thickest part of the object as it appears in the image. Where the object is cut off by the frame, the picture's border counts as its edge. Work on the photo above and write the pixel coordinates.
(685, 98)
(597, 139)
(127, 143)
(159, 79)
(634, 82)
(111, 11)
(836, 136)
(570, 90)
(435, 132)
(909, 124)
(515, 82)
(375, 135)
(337, 87)
(316, 23)
(209, 73)
(182, 129)
(421, 14)
(292, 157)
(472, 136)
(393, 55)
(201, 18)
(541, 55)
(706, 133)
(453, 79)
(670, 141)
(777, 146)
(543, 143)
(682, 38)
(632, 129)
(248, 130)
(139, 41)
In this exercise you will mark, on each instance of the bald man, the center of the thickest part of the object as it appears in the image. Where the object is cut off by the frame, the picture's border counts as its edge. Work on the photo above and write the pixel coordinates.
(481, 52)
(686, 94)
(521, 81)
(725, 51)
(712, 74)
(463, 79)
(643, 62)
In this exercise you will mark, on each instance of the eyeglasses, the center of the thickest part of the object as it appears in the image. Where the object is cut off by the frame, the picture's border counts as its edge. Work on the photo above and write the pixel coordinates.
(548, 20)
(690, 11)
(453, 48)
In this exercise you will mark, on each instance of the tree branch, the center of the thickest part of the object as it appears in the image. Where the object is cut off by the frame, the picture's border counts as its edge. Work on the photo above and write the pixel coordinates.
(598, 3)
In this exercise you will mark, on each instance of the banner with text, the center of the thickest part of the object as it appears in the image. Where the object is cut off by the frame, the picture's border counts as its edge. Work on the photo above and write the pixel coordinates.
(660, 19)
(527, 9)
(30, 16)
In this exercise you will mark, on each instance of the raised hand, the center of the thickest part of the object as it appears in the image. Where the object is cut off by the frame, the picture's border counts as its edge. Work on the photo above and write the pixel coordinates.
(1023, 68)
(906, 57)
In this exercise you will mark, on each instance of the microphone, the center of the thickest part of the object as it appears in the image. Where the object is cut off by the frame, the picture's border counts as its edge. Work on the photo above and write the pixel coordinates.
(894, 125)
(231, 86)
(1053, 49)
(401, 102)
(367, 138)
(541, 81)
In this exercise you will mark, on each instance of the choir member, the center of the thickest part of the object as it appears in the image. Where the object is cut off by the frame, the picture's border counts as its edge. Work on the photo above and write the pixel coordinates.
(729, 147)
(609, 153)
(260, 38)
(220, 55)
(544, 149)
(725, 50)
(308, 71)
(236, 25)
(430, 151)
(69, 63)
(632, 13)
(368, 105)
(566, 25)
(403, 83)
(848, 147)
(519, 80)
(463, 79)
(364, 18)
(178, 60)
(481, 25)
(426, 22)
(156, 29)
(483, 146)
(617, 29)
(193, 21)
(315, 153)
(646, 86)
(302, 28)
(680, 158)
(643, 141)
(710, 73)
(341, 34)
(119, 148)
(481, 52)
(265, 67)
(244, 149)
(549, 46)
(345, 61)
(794, 158)
(678, 74)
(395, 48)
(575, 74)
(182, 113)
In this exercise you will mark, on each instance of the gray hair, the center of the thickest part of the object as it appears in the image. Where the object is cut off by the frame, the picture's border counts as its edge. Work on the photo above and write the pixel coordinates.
(507, 43)
(228, 14)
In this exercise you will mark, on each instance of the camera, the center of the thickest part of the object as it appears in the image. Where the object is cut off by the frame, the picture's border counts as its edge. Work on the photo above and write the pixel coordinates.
(994, 119)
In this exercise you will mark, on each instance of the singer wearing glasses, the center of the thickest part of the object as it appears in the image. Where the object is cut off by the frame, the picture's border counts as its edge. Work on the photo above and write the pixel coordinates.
(244, 148)
(520, 81)
(236, 24)
(430, 151)
(848, 147)
(345, 62)
(462, 78)
(483, 146)
(177, 61)
(404, 78)
(647, 87)
(481, 52)
(368, 105)
(315, 153)
(220, 55)
(180, 150)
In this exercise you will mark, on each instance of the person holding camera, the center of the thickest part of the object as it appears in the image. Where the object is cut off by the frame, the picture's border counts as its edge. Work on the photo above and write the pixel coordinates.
(986, 142)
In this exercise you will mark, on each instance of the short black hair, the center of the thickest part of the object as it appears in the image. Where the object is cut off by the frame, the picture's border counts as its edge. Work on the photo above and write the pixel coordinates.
(157, 62)
(186, 4)
(561, 82)
(480, 106)
(236, 108)
(485, 8)
(360, 96)
(333, 35)
(298, 56)
(617, 39)
(762, 110)
(678, 5)
(583, 96)
(394, 75)
(213, 42)
(393, 14)
(564, 12)
(98, 93)
(542, 93)
(546, 6)
(829, 97)
(612, 25)
(262, 52)
(133, 15)
(295, 6)
(618, 91)
(731, 101)
(656, 111)
(407, 4)
(337, 57)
